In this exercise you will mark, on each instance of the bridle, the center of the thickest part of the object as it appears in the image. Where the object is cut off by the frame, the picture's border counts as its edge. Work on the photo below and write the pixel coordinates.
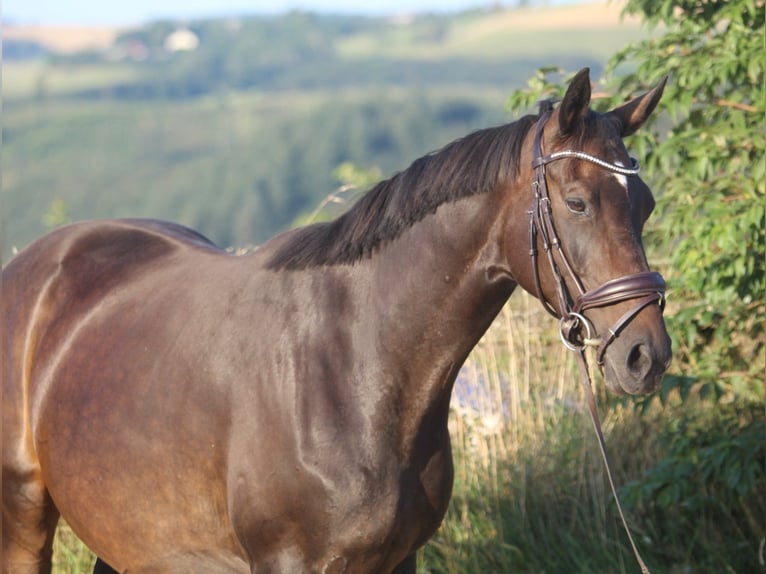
(646, 286)
(576, 330)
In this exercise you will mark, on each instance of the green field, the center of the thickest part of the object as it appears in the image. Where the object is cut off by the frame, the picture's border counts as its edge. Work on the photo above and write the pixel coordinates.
(241, 138)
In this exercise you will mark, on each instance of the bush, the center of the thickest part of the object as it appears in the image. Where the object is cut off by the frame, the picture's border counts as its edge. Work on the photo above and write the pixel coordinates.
(706, 161)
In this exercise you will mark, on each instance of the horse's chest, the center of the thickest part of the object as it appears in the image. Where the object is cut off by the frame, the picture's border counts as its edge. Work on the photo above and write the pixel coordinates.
(372, 518)
(389, 527)
(436, 481)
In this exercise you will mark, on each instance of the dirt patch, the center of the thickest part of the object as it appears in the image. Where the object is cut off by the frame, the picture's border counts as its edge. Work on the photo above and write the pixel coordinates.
(590, 15)
(64, 39)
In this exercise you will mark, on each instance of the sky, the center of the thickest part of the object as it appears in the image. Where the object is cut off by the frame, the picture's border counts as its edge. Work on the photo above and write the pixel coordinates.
(126, 12)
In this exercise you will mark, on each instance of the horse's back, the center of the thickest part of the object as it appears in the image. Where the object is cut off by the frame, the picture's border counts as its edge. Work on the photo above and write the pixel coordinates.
(93, 251)
(68, 301)
(71, 267)
(68, 274)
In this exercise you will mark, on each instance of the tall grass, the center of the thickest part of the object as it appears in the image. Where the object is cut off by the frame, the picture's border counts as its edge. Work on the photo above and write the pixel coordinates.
(531, 493)
(530, 490)
(70, 556)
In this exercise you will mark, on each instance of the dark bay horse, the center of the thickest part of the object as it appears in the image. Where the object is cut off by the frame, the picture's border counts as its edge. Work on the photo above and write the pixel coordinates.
(186, 410)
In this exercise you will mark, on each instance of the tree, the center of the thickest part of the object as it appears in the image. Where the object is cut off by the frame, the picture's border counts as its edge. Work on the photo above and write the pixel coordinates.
(710, 166)
(711, 169)
(705, 159)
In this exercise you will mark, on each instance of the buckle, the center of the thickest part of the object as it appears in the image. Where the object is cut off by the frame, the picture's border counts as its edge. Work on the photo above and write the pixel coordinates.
(570, 326)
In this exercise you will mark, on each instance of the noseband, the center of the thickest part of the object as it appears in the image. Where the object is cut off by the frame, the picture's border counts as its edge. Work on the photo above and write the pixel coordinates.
(576, 329)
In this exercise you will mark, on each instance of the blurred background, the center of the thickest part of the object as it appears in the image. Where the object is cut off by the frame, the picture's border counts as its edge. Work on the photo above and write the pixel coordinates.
(241, 119)
(235, 120)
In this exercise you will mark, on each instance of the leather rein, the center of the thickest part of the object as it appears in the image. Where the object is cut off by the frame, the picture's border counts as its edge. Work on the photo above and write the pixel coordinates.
(576, 330)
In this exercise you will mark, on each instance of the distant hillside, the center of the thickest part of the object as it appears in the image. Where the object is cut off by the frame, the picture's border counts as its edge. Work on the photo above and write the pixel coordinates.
(596, 28)
(473, 32)
(235, 127)
(300, 50)
(61, 39)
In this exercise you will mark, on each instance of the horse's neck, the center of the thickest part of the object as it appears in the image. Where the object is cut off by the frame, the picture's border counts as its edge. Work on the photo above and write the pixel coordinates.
(436, 295)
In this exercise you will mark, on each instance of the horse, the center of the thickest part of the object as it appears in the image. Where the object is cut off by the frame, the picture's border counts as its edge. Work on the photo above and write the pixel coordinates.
(189, 410)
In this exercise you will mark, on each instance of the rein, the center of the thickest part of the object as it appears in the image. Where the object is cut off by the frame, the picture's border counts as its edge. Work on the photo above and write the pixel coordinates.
(576, 330)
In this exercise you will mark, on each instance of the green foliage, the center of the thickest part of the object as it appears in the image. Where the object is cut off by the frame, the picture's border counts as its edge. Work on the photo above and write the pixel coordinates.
(547, 83)
(705, 158)
(349, 174)
(70, 556)
(708, 489)
(711, 172)
(354, 180)
(56, 215)
(700, 465)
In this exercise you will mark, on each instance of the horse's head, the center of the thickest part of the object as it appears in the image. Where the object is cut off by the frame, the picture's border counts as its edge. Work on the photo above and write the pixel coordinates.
(587, 261)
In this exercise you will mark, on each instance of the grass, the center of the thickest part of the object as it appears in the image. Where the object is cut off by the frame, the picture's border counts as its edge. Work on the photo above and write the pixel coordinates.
(592, 29)
(492, 45)
(530, 491)
(70, 556)
(38, 79)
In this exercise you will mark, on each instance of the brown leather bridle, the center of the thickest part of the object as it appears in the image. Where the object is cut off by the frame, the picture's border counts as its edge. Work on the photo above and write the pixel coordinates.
(646, 286)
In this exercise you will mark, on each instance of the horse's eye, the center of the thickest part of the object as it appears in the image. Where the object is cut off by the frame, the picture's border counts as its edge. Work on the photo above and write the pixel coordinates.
(576, 206)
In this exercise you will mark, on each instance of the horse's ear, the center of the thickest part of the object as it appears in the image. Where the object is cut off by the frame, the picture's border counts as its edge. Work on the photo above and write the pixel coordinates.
(575, 104)
(634, 113)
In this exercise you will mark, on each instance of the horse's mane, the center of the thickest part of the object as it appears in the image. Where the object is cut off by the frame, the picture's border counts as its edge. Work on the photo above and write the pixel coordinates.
(468, 166)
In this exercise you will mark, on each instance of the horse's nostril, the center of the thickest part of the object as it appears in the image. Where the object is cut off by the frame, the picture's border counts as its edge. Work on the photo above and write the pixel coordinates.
(639, 361)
